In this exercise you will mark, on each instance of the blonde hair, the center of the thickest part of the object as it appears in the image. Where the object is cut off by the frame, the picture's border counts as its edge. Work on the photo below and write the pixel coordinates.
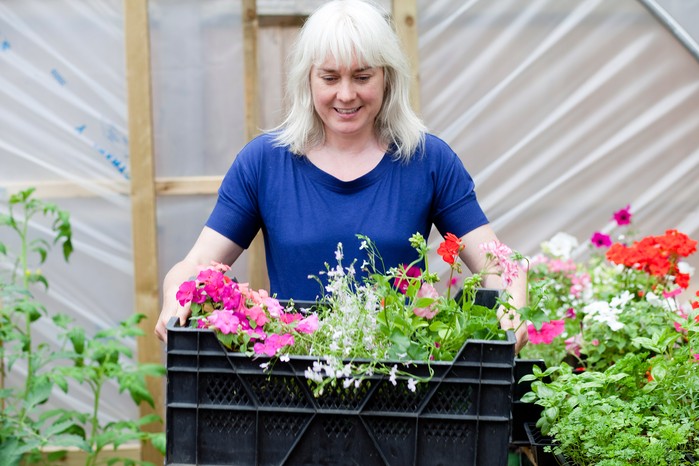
(348, 30)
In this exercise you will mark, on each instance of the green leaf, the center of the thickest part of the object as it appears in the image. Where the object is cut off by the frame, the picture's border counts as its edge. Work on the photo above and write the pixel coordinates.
(38, 393)
(10, 453)
(70, 440)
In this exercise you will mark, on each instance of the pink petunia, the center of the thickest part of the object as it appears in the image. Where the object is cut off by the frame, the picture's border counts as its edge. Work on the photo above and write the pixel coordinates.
(623, 216)
(548, 331)
(601, 240)
(570, 313)
(427, 291)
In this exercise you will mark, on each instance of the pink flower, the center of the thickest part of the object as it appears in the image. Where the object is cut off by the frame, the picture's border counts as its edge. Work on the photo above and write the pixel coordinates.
(213, 283)
(548, 331)
(401, 282)
(427, 291)
(186, 292)
(573, 344)
(601, 240)
(231, 298)
(225, 321)
(696, 357)
(273, 343)
(257, 314)
(503, 257)
(623, 216)
(289, 317)
(273, 307)
(308, 324)
(595, 342)
(570, 313)
(672, 294)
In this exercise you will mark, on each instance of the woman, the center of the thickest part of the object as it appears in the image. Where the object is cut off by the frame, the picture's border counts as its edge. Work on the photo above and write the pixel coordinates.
(350, 158)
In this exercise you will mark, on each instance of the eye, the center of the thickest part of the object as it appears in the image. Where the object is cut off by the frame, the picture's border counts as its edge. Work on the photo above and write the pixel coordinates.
(363, 77)
(329, 78)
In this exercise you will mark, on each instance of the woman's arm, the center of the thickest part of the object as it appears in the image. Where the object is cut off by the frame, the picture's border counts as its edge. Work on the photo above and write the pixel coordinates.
(476, 261)
(210, 246)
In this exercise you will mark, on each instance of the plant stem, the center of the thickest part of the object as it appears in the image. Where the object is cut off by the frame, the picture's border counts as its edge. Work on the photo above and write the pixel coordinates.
(97, 389)
(27, 319)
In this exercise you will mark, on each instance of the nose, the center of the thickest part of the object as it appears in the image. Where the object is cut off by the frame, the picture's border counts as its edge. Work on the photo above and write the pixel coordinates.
(346, 91)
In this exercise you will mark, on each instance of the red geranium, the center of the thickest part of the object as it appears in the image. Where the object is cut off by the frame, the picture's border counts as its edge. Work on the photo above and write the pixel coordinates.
(450, 248)
(656, 255)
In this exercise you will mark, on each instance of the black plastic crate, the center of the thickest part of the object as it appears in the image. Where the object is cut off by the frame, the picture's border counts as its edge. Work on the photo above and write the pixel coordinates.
(539, 442)
(523, 413)
(223, 409)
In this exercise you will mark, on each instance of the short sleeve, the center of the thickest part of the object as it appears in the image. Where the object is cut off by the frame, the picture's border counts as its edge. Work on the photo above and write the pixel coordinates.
(236, 213)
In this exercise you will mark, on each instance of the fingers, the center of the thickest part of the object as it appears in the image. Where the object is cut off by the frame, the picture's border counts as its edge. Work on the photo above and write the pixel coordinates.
(161, 330)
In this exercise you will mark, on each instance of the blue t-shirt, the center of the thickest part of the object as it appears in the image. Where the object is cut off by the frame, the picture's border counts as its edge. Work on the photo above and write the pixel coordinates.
(304, 212)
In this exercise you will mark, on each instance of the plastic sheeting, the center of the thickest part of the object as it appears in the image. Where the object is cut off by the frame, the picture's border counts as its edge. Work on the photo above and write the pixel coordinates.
(563, 110)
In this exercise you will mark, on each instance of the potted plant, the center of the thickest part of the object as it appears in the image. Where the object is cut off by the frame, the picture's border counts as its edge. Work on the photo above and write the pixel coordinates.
(382, 371)
(622, 385)
(29, 431)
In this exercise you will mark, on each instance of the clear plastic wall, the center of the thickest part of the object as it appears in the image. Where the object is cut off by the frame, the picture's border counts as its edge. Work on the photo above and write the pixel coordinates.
(563, 110)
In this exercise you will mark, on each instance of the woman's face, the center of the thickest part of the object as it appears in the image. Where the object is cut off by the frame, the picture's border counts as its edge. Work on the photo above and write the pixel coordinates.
(347, 100)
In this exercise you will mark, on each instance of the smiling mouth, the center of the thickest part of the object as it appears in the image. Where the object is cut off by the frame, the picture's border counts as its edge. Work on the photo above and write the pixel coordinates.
(346, 111)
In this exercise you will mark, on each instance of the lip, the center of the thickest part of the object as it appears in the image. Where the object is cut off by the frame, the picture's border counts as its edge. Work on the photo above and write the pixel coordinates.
(346, 111)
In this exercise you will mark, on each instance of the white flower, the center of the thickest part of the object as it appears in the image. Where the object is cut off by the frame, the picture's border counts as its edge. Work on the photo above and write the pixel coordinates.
(596, 307)
(619, 302)
(392, 374)
(411, 385)
(338, 252)
(561, 245)
(654, 299)
(363, 245)
(264, 366)
(284, 358)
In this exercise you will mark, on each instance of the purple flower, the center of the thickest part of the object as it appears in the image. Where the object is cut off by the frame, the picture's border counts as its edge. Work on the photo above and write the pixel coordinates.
(623, 216)
(601, 240)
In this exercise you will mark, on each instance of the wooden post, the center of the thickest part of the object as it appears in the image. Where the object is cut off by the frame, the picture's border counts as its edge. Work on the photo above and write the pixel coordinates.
(143, 214)
(405, 17)
(257, 268)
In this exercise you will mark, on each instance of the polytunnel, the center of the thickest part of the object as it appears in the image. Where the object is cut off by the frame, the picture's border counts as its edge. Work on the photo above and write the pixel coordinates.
(128, 113)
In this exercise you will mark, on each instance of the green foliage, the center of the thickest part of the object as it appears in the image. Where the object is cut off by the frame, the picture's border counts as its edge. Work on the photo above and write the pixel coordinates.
(642, 410)
(26, 426)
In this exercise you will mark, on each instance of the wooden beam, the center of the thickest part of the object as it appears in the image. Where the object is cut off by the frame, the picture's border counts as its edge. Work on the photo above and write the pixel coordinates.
(405, 18)
(257, 270)
(143, 209)
(165, 186)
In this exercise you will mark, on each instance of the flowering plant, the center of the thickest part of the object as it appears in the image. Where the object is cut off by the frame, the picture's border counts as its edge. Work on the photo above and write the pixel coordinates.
(598, 307)
(359, 324)
(245, 320)
(622, 351)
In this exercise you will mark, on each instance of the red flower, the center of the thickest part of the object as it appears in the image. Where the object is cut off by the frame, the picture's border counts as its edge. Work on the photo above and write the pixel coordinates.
(656, 255)
(450, 248)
